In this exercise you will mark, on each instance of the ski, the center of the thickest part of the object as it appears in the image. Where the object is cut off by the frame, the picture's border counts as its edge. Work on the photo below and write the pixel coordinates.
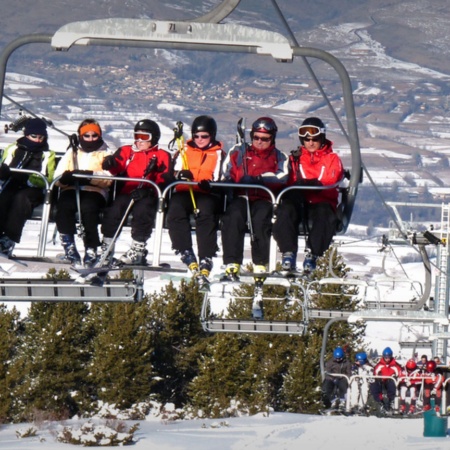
(13, 260)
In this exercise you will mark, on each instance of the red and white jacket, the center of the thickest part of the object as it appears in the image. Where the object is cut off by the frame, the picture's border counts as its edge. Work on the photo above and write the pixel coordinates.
(323, 165)
(132, 164)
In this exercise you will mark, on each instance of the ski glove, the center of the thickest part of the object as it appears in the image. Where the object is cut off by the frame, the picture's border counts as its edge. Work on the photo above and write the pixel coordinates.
(185, 175)
(247, 179)
(5, 172)
(309, 182)
(168, 177)
(205, 185)
(68, 179)
(433, 392)
(110, 162)
(140, 193)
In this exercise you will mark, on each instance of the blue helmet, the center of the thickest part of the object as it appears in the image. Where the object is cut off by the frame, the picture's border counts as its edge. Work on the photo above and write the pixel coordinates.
(338, 353)
(361, 357)
(387, 352)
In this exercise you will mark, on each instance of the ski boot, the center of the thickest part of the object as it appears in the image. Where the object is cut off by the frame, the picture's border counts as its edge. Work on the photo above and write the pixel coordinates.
(309, 263)
(6, 245)
(288, 262)
(90, 257)
(231, 272)
(70, 250)
(136, 255)
(201, 277)
(188, 257)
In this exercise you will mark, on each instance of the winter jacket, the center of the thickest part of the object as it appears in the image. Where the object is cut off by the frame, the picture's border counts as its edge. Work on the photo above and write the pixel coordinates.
(413, 378)
(323, 165)
(269, 167)
(343, 367)
(86, 161)
(387, 369)
(25, 154)
(133, 163)
(436, 380)
(205, 164)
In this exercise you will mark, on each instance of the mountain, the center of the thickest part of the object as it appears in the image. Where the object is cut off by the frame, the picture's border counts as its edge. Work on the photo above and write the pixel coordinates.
(395, 54)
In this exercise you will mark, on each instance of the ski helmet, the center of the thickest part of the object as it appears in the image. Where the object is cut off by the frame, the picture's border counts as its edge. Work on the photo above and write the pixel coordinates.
(151, 127)
(338, 353)
(313, 127)
(206, 124)
(431, 366)
(387, 352)
(265, 125)
(411, 364)
(361, 357)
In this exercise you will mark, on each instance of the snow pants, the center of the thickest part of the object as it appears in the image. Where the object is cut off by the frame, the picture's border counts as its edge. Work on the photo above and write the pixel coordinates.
(16, 206)
(91, 204)
(178, 221)
(142, 221)
(234, 227)
(319, 221)
(332, 388)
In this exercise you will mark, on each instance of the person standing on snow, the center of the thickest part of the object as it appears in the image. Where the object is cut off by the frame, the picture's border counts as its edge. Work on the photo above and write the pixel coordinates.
(22, 192)
(142, 159)
(314, 163)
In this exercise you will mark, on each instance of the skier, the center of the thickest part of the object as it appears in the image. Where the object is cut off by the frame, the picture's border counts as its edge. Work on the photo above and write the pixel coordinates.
(85, 156)
(364, 372)
(22, 192)
(313, 164)
(338, 371)
(409, 382)
(199, 160)
(432, 387)
(142, 159)
(385, 372)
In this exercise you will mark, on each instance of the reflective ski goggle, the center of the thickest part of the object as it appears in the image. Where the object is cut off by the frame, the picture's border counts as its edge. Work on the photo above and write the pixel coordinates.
(312, 130)
(143, 137)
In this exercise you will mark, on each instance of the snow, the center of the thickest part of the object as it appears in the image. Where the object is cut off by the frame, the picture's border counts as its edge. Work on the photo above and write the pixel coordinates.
(277, 431)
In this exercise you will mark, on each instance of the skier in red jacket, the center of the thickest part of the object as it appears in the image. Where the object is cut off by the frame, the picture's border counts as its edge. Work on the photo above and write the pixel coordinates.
(313, 164)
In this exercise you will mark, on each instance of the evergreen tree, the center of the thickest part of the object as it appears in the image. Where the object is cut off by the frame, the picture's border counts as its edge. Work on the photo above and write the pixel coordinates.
(50, 369)
(10, 326)
(179, 339)
(121, 367)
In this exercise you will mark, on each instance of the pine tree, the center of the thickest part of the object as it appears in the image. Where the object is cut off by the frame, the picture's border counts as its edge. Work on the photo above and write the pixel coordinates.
(50, 368)
(121, 367)
(10, 326)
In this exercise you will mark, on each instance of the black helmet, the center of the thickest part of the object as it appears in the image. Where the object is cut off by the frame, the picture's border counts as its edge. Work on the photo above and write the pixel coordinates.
(204, 123)
(265, 125)
(313, 127)
(150, 127)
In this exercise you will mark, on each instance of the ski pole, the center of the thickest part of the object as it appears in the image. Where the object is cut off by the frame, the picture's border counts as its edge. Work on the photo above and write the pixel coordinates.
(240, 138)
(178, 136)
(149, 169)
(74, 144)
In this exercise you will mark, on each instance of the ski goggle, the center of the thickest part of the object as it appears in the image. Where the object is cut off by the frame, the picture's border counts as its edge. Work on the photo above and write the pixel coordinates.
(143, 137)
(312, 130)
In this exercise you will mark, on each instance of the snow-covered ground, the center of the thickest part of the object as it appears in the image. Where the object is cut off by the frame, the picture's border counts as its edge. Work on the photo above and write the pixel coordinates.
(278, 431)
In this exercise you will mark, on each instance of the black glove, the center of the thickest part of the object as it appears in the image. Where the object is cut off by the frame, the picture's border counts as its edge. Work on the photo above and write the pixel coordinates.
(110, 162)
(247, 179)
(185, 175)
(205, 185)
(140, 193)
(168, 177)
(308, 182)
(67, 178)
(5, 172)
